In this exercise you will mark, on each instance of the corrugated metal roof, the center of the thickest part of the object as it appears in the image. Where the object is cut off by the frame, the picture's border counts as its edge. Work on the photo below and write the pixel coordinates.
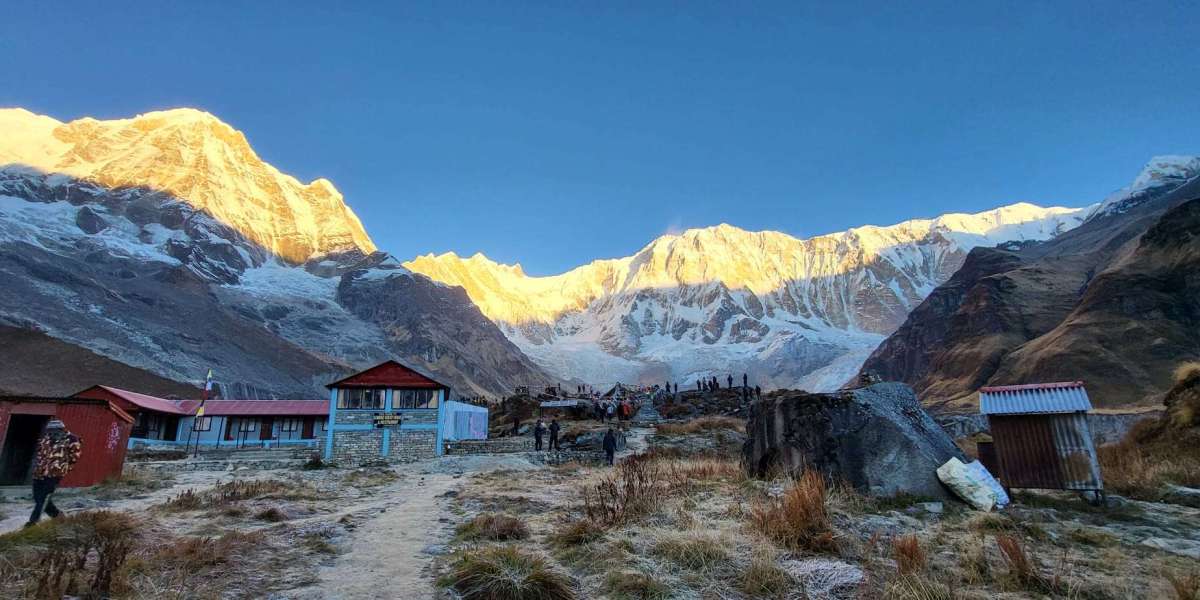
(1060, 397)
(144, 401)
(237, 408)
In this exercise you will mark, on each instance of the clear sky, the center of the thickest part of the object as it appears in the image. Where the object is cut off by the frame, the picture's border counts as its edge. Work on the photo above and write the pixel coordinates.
(555, 133)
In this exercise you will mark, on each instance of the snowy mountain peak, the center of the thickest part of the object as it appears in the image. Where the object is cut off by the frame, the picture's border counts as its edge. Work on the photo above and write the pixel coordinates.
(721, 297)
(1162, 171)
(194, 156)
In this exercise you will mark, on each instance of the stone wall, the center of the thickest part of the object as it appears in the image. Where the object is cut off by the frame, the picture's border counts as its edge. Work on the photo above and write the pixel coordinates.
(412, 444)
(495, 446)
(353, 447)
(367, 417)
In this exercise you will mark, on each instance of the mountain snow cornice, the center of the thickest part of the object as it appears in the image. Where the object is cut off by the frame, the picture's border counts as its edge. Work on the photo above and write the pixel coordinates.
(195, 157)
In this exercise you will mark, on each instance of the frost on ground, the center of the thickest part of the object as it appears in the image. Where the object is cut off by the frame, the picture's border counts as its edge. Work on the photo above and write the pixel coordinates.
(678, 520)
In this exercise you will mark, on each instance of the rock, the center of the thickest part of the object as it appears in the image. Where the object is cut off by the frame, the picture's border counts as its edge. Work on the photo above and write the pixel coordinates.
(89, 221)
(878, 439)
(826, 578)
(935, 508)
(435, 549)
(1181, 547)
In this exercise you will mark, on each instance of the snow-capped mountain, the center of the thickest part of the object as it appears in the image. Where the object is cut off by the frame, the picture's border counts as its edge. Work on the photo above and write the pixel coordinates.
(191, 155)
(165, 243)
(790, 312)
(1161, 173)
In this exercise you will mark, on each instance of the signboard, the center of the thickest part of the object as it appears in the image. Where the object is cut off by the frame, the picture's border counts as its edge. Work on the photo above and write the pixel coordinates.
(381, 420)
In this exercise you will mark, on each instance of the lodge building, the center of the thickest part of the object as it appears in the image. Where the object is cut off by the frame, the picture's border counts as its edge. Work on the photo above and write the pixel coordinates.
(388, 412)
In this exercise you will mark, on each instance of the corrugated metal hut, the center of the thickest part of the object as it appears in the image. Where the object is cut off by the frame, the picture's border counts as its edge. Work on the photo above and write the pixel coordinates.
(1040, 436)
(101, 425)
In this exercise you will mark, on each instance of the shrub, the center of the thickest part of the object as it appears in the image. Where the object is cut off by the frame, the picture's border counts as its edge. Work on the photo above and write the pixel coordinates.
(494, 527)
(507, 573)
(632, 490)
(910, 557)
(636, 586)
(799, 520)
(313, 463)
(77, 555)
(130, 484)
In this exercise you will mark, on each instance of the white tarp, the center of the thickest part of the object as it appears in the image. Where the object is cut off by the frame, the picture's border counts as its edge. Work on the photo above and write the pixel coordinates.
(465, 422)
(973, 484)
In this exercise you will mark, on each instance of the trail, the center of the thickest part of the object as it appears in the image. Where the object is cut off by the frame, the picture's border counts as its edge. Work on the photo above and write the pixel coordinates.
(385, 556)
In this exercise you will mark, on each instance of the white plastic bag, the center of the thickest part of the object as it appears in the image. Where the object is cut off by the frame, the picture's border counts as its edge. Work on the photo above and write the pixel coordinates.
(982, 474)
(967, 484)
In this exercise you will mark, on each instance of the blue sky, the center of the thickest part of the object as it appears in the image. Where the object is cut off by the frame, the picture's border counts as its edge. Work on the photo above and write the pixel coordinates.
(552, 134)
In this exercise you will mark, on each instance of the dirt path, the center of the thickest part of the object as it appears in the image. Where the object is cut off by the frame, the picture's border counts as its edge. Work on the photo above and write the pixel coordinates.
(394, 539)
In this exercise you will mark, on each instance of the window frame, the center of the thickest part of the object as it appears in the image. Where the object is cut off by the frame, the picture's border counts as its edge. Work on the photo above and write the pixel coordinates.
(415, 398)
(352, 398)
(289, 424)
(205, 421)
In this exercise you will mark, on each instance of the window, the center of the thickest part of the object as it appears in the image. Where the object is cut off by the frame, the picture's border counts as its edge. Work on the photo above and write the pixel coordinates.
(289, 425)
(321, 422)
(414, 398)
(360, 399)
(202, 424)
(247, 425)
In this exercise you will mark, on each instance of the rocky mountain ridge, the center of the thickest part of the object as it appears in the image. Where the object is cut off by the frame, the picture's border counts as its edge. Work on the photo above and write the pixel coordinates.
(1114, 302)
(791, 312)
(177, 250)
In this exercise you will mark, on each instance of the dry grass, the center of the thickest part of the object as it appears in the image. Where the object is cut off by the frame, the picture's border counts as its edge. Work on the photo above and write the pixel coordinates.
(623, 585)
(1185, 586)
(576, 533)
(693, 551)
(632, 490)
(490, 526)
(224, 494)
(763, 577)
(799, 520)
(191, 567)
(910, 556)
(701, 424)
(1023, 573)
(913, 587)
(79, 555)
(507, 573)
(130, 485)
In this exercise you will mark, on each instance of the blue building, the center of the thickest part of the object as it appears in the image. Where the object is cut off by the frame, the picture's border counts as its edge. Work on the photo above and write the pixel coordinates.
(387, 412)
(233, 423)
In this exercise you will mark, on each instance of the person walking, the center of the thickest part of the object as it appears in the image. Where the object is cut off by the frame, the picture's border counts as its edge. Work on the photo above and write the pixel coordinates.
(538, 431)
(729, 381)
(757, 392)
(611, 410)
(745, 381)
(57, 452)
(698, 386)
(610, 446)
(554, 435)
(676, 388)
(516, 425)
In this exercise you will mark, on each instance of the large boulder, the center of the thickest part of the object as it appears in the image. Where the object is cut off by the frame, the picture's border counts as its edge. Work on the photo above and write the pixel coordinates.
(877, 439)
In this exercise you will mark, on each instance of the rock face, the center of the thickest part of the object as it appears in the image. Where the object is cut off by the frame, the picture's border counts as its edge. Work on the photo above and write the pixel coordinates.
(878, 439)
(790, 312)
(181, 263)
(1114, 302)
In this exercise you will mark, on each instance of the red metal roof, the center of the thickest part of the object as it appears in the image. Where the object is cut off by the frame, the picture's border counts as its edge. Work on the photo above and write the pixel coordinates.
(389, 374)
(139, 400)
(238, 408)
(1031, 386)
